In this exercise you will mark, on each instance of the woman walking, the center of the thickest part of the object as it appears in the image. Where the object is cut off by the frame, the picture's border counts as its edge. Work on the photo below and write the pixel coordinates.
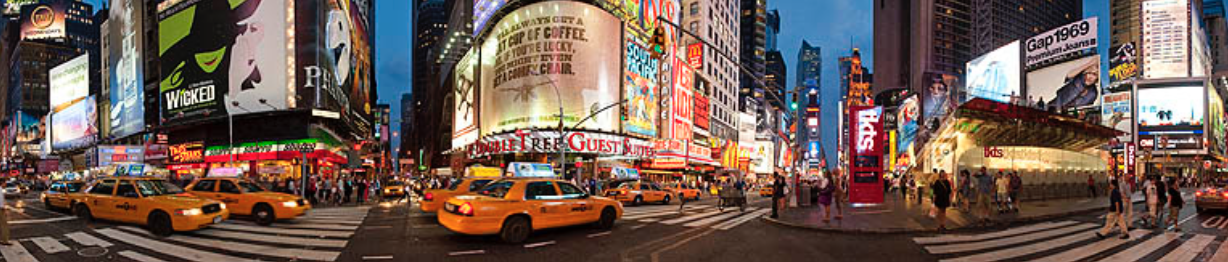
(825, 196)
(942, 198)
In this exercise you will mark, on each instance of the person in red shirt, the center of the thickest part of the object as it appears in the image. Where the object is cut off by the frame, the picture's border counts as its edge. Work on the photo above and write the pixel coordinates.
(1091, 185)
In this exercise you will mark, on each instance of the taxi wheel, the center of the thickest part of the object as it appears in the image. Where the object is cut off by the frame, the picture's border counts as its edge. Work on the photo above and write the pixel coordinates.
(666, 200)
(160, 224)
(83, 212)
(515, 229)
(638, 200)
(47, 204)
(264, 214)
(607, 218)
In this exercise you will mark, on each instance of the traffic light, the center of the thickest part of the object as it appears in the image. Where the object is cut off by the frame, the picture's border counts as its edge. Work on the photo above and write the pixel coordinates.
(657, 42)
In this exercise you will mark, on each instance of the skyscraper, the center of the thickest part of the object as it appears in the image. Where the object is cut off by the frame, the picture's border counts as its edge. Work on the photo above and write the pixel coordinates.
(809, 67)
(913, 39)
(429, 26)
(753, 40)
(1125, 26)
(1217, 33)
(716, 22)
(998, 22)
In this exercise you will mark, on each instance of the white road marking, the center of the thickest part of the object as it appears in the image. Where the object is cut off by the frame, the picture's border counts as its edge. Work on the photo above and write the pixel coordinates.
(285, 231)
(329, 221)
(1186, 219)
(138, 256)
(1083, 252)
(1015, 240)
(40, 221)
(1137, 252)
(977, 237)
(1028, 249)
(1188, 250)
(294, 253)
(692, 217)
(296, 225)
(599, 234)
(1222, 253)
(16, 253)
(167, 249)
(315, 242)
(468, 252)
(87, 239)
(741, 220)
(657, 213)
(649, 220)
(49, 245)
(376, 257)
(376, 227)
(710, 220)
(539, 244)
(638, 226)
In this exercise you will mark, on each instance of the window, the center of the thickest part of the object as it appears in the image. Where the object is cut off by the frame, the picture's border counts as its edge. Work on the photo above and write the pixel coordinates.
(204, 185)
(478, 184)
(157, 187)
(540, 191)
(227, 187)
(497, 189)
(54, 188)
(106, 187)
(126, 189)
(655, 187)
(570, 191)
(694, 8)
(250, 187)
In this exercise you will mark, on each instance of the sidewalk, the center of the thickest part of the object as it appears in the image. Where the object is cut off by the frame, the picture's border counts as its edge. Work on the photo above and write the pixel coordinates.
(898, 216)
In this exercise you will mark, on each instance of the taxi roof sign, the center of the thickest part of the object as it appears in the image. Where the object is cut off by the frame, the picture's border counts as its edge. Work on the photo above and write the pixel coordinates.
(522, 169)
(479, 171)
(225, 172)
(626, 173)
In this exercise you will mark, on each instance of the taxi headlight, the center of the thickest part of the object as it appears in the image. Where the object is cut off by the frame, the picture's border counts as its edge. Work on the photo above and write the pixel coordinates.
(223, 205)
(290, 204)
(188, 212)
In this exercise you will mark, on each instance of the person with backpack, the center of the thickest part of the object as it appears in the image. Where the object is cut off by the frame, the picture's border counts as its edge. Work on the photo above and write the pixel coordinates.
(1174, 206)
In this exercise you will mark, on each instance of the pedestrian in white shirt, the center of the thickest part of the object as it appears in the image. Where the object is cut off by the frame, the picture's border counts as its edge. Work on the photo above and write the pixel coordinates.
(1149, 190)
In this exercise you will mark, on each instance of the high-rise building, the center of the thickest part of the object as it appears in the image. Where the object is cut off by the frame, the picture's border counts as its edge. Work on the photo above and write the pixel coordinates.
(753, 40)
(773, 29)
(998, 22)
(913, 39)
(1126, 26)
(1216, 27)
(809, 65)
(430, 24)
(855, 81)
(716, 22)
(808, 97)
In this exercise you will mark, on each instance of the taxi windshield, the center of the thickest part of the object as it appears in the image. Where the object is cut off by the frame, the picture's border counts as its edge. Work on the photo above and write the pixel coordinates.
(394, 183)
(73, 187)
(497, 189)
(250, 187)
(157, 187)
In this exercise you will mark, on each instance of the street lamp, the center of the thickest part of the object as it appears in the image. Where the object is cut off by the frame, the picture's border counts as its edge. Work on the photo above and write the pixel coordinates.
(559, 144)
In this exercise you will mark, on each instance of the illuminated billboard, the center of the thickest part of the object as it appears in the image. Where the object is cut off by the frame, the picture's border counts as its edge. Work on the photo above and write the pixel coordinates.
(222, 57)
(464, 118)
(1070, 84)
(13, 7)
(74, 126)
(909, 113)
(1166, 43)
(483, 10)
(996, 75)
(552, 46)
(69, 82)
(1123, 64)
(1116, 113)
(1061, 42)
(127, 85)
(1171, 108)
(680, 101)
(43, 20)
(641, 84)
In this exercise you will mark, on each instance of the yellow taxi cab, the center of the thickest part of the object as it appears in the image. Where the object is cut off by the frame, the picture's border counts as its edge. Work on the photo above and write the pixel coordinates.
(514, 207)
(63, 194)
(249, 199)
(765, 191)
(683, 191)
(162, 207)
(639, 192)
(433, 199)
(393, 188)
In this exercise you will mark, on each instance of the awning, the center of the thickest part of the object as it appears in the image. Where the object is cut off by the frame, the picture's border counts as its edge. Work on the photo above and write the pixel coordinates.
(1001, 124)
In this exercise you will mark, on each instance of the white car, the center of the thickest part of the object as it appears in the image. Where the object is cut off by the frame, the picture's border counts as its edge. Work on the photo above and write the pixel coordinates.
(13, 190)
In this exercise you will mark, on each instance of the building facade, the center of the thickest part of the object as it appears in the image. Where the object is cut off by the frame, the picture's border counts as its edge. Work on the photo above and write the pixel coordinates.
(998, 22)
(717, 23)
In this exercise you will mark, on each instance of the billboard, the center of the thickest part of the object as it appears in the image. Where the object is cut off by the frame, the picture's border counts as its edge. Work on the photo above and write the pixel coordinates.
(74, 126)
(866, 152)
(936, 100)
(464, 118)
(1166, 43)
(642, 86)
(108, 154)
(216, 54)
(483, 10)
(127, 88)
(1060, 42)
(566, 48)
(680, 101)
(995, 75)
(43, 20)
(702, 119)
(909, 113)
(1070, 84)
(30, 128)
(1171, 108)
(1116, 113)
(1215, 122)
(13, 7)
(1123, 64)
(69, 81)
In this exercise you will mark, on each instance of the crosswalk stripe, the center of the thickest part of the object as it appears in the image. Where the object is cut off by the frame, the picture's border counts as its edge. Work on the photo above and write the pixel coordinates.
(965, 247)
(315, 242)
(1089, 250)
(658, 214)
(87, 239)
(656, 210)
(167, 249)
(710, 220)
(1137, 253)
(284, 231)
(298, 225)
(49, 245)
(741, 220)
(337, 216)
(1188, 250)
(328, 221)
(138, 256)
(1222, 253)
(295, 254)
(692, 217)
(1025, 250)
(16, 253)
(1010, 232)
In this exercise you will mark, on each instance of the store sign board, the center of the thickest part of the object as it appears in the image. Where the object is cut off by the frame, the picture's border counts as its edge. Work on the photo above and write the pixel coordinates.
(865, 164)
(263, 150)
(668, 163)
(1130, 154)
(548, 142)
(698, 151)
(190, 152)
(695, 55)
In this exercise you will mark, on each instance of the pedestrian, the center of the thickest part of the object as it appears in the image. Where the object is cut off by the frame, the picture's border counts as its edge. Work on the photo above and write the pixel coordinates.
(290, 187)
(779, 195)
(1002, 184)
(1149, 191)
(348, 190)
(1161, 201)
(1114, 218)
(826, 190)
(1091, 186)
(4, 218)
(362, 191)
(1174, 205)
(984, 188)
(1016, 186)
(1126, 189)
(942, 198)
(841, 195)
(965, 189)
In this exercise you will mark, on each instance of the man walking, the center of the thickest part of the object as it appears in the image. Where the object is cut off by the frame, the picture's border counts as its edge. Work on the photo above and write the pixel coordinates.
(778, 192)
(1126, 189)
(1162, 199)
(984, 189)
(1114, 218)
(1174, 206)
(1016, 186)
(1091, 186)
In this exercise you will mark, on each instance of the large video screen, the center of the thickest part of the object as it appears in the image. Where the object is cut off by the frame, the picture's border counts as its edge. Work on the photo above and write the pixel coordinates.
(74, 126)
(127, 72)
(1171, 108)
(996, 75)
(1070, 84)
(69, 81)
(221, 57)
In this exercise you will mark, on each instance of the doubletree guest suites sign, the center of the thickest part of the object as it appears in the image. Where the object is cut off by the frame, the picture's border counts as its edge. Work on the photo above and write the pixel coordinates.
(549, 142)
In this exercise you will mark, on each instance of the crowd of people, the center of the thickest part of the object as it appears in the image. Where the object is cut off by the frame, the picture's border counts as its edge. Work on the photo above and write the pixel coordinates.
(336, 191)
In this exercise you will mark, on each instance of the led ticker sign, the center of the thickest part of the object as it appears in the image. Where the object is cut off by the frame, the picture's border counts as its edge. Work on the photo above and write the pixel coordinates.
(190, 152)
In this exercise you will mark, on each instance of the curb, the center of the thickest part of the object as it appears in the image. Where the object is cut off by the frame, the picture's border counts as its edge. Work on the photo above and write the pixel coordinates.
(898, 230)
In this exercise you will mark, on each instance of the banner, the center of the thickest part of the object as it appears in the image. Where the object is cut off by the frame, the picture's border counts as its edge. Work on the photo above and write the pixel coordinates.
(531, 59)
(865, 161)
(1070, 84)
(702, 119)
(906, 123)
(996, 75)
(44, 20)
(1116, 113)
(642, 84)
(127, 73)
(1055, 44)
(69, 82)
(680, 101)
(464, 118)
(75, 125)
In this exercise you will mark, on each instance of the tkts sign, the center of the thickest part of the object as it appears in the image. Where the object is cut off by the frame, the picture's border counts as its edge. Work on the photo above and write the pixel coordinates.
(548, 142)
(866, 164)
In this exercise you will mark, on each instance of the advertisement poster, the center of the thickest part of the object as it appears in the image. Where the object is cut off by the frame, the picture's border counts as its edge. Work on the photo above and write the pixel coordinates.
(680, 102)
(30, 128)
(642, 15)
(108, 155)
(1123, 64)
(1166, 47)
(1070, 84)
(564, 47)
(1115, 113)
(464, 118)
(1065, 40)
(216, 53)
(996, 75)
(74, 126)
(866, 151)
(127, 84)
(1175, 108)
(702, 120)
(936, 101)
(43, 20)
(762, 159)
(1215, 122)
(69, 81)
(641, 82)
(906, 123)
